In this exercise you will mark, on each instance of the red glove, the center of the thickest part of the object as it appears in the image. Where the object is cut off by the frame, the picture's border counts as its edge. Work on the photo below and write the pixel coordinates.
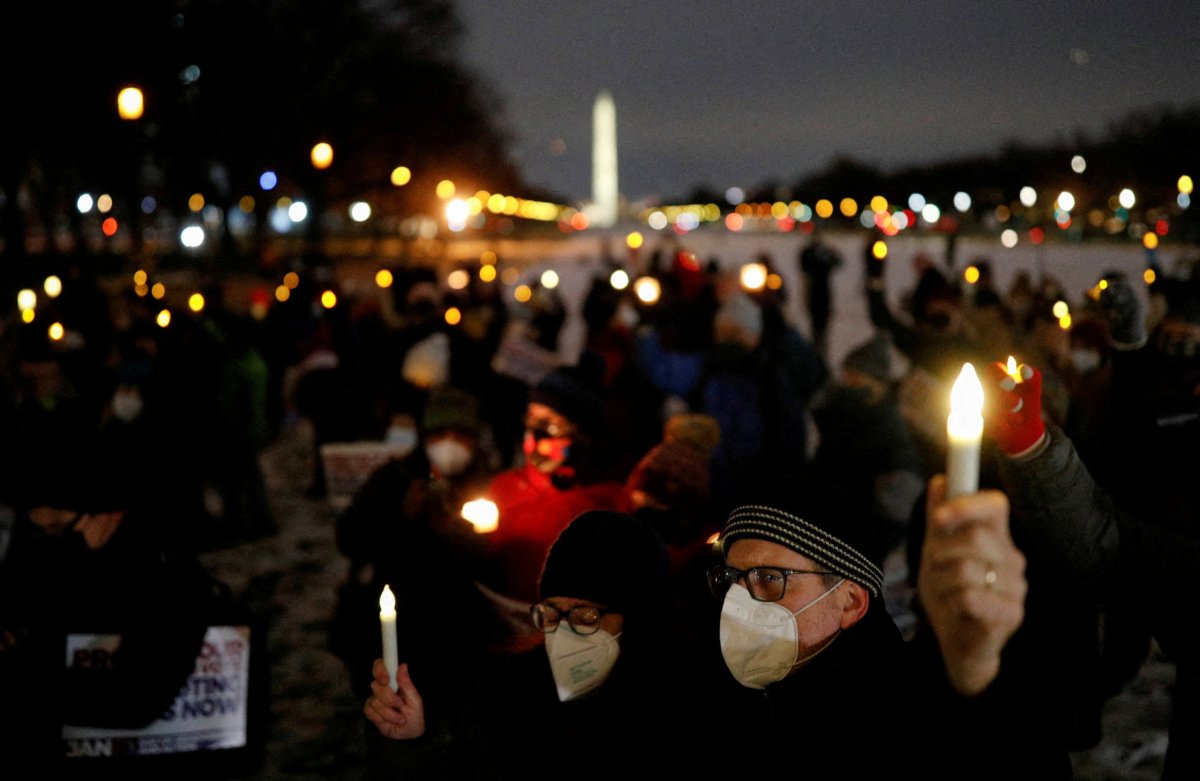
(1013, 412)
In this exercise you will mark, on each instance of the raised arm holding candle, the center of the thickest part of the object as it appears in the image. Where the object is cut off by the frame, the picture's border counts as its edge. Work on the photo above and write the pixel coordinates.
(964, 428)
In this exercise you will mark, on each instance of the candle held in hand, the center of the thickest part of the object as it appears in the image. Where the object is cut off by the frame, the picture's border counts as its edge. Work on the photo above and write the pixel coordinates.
(387, 621)
(964, 429)
(482, 514)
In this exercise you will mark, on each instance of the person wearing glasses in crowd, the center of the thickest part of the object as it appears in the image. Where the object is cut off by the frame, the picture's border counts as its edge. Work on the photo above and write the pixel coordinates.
(594, 688)
(815, 660)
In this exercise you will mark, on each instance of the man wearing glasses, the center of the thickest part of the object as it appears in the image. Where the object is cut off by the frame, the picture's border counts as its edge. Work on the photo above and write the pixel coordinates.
(820, 663)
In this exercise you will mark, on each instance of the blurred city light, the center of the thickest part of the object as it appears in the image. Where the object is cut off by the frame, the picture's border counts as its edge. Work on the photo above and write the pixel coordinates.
(916, 202)
(879, 250)
(84, 203)
(195, 202)
(164, 318)
(26, 299)
(1184, 184)
(735, 195)
(196, 302)
(647, 289)
(55, 331)
(753, 276)
(291, 280)
(329, 299)
(657, 220)
(298, 211)
(445, 189)
(619, 279)
(192, 236)
(104, 203)
(458, 279)
(1060, 309)
(971, 275)
(1028, 196)
(282, 293)
(931, 213)
(401, 175)
(824, 208)
(1078, 164)
(1009, 238)
(522, 293)
(52, 286)
(457, 213)
(267, 180)
(549, 279)
(139, 277)
(879, 204)
(1148, 276)
(27, 315)
(322, 156)
(1065, 201)
(384, 278)
(962, 201)
(487, 273)
(1126, 198)
(453, 316)
(848, 207)
(1150, 241)
(634, 240)
(158, 290)
(360, 211)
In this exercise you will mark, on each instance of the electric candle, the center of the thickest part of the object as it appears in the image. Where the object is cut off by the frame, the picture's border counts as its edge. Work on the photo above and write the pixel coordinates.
(387, 622)
(482, 514)
(964, 429)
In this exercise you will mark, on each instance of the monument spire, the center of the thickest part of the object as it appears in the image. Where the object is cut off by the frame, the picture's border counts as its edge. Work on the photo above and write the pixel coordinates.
(605, 195)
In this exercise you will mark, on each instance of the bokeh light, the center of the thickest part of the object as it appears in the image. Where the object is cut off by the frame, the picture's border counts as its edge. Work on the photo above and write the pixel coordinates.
(522, 293)
(360, 211)
(453, 316)
(458, 279)
(163, 318)
(634, 240)
(753, 276)
(1008, 238)
(196, 302)
(549, 279)
(1126, 198)
(487, 273)
(55, 331)
(445, 189)
(971, 275)
(52, 286)
(619, 279)
(384, 278)
(647, 289)
(1028, 196)
(401, 175)
(1078, 164)
(322, 156)
(329, 299)
(26, 299)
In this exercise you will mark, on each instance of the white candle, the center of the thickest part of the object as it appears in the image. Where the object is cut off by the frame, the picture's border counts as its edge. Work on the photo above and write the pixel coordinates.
(964, 428)
(482, 514)
(387, 621)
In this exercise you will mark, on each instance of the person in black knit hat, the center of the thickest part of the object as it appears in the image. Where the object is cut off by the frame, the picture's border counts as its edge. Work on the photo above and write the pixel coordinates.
(598, 682)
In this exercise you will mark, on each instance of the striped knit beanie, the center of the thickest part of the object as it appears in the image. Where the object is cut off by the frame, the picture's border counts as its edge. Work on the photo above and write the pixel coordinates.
(813, 527)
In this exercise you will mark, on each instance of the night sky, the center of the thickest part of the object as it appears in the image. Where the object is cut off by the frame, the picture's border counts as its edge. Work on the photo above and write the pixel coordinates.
(719, 93)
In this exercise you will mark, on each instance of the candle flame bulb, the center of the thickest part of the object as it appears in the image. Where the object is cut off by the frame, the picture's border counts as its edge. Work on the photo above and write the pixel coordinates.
(482, 514)
(387, 601)
(1012, 370)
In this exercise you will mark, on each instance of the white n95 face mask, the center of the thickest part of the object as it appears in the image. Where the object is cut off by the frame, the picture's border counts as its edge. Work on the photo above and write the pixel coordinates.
(580, 663)
(759, 640)
(449, 457)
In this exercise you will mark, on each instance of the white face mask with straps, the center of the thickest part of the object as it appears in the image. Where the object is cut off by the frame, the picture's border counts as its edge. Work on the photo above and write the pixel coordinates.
(580, 663)
(759, 640)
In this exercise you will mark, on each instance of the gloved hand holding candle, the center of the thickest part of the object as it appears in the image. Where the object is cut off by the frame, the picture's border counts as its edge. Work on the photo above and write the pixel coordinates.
(1013, 413)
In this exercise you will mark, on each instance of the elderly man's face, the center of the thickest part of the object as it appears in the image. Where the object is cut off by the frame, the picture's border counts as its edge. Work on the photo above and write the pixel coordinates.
(815, 626)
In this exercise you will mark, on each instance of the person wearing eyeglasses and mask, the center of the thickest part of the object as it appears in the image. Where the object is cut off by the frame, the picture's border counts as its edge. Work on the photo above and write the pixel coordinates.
(816, 662)
(597, 686)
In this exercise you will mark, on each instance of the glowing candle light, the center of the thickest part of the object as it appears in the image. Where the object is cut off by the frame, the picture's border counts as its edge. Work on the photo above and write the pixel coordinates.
(964, 428)
(1012, 370)
(387, 622)
(482, 514)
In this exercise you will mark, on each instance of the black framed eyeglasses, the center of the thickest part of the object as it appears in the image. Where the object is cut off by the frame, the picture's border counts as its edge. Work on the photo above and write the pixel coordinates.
(582, 619)
(765, 584)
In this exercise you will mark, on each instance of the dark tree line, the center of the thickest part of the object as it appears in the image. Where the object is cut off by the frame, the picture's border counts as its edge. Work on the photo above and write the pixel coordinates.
(233, 88)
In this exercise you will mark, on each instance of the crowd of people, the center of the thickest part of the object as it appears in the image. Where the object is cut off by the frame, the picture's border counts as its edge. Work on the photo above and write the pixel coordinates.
(692, 514)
